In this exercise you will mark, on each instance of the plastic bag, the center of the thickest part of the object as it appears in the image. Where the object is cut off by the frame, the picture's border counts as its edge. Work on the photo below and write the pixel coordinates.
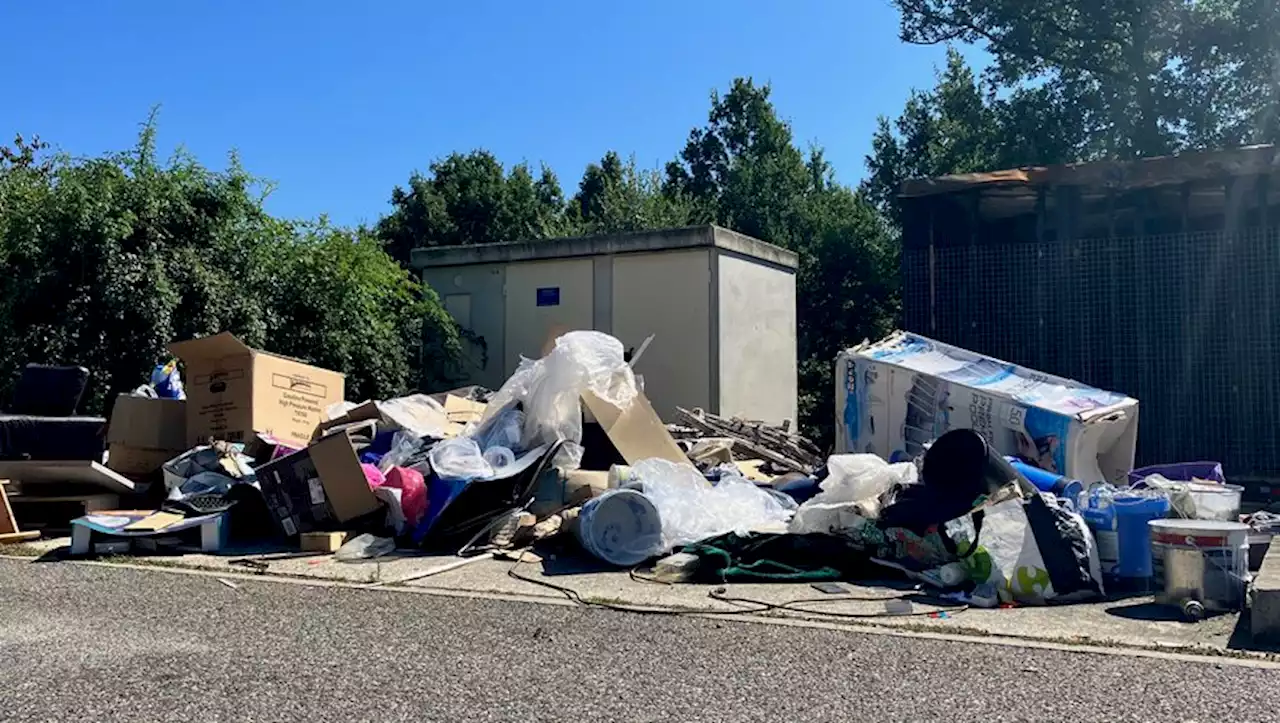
(459, 459)
(857, 477)
(549, 390)
(365, 547)
(851, 493)
(207, 470)
(691, 509)
(1032, 550)
(413, 492)
(403, 446)
(167, 381)
(502, 430)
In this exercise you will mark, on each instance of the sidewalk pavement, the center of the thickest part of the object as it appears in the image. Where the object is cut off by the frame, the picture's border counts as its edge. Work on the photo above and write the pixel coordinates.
(1134, 622)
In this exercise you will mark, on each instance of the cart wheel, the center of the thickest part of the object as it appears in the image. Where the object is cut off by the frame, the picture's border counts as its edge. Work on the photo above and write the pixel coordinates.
(1192, 610)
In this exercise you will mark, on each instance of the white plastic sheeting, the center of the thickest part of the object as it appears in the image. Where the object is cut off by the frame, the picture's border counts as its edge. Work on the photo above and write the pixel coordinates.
(549, 389)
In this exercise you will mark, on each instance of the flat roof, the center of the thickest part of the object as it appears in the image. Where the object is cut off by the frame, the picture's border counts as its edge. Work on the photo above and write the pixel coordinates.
(1141, 173)
(709, 236)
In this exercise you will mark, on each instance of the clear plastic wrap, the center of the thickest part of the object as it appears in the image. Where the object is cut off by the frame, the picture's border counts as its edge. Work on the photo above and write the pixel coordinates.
(691, 509)
(499, 457)
(365, 547)
(459, 459)
(549, 390)
(502, 430)
(404, 445)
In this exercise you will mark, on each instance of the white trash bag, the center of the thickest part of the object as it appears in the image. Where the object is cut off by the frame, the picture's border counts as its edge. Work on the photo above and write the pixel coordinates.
(850, 493)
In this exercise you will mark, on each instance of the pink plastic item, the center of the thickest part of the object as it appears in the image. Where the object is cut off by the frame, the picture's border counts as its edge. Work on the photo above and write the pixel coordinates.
(373, 475)
(413, 493)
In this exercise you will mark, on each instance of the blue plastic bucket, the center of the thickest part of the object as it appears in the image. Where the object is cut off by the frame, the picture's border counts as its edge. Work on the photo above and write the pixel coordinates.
(1133, 540)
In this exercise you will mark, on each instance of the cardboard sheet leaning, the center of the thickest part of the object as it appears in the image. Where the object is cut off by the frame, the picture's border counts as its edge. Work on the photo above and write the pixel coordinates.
(895, 395)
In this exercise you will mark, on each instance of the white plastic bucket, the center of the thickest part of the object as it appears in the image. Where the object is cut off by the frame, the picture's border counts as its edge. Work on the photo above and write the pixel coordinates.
(621, 527)
(1202, 560)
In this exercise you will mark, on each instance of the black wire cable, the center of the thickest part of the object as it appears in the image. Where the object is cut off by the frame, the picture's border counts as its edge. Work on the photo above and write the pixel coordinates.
(719, 594)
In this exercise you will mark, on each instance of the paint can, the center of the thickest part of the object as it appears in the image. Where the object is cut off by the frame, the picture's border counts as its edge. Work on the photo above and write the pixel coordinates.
(1200, 565)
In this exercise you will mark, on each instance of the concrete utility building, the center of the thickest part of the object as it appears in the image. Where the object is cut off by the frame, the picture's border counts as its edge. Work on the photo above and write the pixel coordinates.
(721, 307)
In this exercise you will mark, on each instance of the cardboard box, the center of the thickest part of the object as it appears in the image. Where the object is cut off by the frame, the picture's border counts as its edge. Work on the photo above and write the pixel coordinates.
(899, 393)
(317, 488)
(234, 391)
(145, 433)
(321, 541)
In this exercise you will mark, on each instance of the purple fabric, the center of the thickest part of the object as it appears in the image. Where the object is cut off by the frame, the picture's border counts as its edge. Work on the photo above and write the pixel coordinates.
(1181, 472)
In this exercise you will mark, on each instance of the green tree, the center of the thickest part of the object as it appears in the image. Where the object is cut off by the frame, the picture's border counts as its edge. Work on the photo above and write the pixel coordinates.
(107, 259)
(1147, 77)
(470, 199)
(963, 126)
(615, 196)
(743, 170)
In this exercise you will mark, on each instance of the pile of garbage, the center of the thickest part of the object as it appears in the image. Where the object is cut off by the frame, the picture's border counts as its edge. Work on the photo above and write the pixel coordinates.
(265, 450)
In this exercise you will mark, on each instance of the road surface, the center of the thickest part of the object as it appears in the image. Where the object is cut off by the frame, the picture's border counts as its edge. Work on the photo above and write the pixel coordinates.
(108, 644)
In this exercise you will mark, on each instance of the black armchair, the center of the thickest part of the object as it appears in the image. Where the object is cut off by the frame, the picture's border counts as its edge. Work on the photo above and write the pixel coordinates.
(41, 421)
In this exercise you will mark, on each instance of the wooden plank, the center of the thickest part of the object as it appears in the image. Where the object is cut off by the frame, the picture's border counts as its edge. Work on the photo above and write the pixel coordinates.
(33, 472)
(11, 537)
(9, 531)
(8, 525)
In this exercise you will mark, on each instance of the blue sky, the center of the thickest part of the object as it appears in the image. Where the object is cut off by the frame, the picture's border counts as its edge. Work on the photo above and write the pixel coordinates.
(337, 104)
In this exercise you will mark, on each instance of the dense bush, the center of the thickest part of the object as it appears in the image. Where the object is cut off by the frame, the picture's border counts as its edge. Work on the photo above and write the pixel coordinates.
(105, 260)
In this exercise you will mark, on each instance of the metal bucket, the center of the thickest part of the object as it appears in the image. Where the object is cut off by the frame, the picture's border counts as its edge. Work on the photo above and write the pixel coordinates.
(1200, 565)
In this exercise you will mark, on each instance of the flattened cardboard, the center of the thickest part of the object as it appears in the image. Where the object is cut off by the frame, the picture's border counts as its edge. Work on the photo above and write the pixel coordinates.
(399, 413)
(463, 411)
(234, 391)
(155, 522)
(637, 432)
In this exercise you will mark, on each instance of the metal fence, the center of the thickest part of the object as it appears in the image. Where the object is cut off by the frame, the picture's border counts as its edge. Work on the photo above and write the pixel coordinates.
(1188, 324)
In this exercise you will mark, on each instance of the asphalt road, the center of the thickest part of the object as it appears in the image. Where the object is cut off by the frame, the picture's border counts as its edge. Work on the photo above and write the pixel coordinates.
(112, 644)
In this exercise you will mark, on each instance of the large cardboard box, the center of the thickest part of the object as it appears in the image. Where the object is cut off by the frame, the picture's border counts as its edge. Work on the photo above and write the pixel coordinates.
(144, 433)
(234, 391)
(317, 488)
(899, 393)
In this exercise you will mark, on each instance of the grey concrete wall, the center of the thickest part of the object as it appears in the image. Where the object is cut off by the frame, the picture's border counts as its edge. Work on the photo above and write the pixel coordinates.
(531, 327)
(667, 294)
(757, 338)
(484, 284)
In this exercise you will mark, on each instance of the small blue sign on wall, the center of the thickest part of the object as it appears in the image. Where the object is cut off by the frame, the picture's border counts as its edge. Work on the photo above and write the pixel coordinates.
(549, 296)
